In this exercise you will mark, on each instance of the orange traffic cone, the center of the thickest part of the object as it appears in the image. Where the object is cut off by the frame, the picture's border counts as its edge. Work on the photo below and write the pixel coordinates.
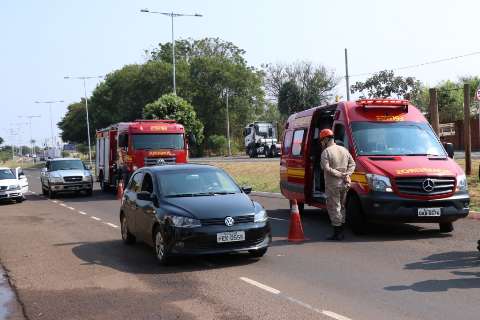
(120, 190)
(295, 232)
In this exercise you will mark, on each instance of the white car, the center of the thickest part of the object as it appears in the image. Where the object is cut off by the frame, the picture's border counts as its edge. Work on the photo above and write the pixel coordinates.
(13, 184)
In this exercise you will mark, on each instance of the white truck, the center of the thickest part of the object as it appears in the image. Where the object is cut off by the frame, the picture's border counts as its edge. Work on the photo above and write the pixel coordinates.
(261, 139)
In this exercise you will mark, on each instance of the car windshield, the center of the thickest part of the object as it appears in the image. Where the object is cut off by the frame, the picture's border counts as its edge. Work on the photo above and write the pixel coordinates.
(66, 165)
(195, 182)
(6, 174)
(398, 138)
(158, 141)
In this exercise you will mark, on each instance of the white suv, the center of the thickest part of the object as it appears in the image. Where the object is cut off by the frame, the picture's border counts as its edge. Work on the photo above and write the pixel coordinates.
(66, 175)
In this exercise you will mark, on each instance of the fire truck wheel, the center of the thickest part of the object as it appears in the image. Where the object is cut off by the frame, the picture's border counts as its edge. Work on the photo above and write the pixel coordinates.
(355, 217)
(446, 227)
(89, 192)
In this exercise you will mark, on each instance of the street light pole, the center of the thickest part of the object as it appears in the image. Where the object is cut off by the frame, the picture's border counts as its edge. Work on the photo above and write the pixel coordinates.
(172, 15)
(30, 117)
(84, 78)
(50, 102)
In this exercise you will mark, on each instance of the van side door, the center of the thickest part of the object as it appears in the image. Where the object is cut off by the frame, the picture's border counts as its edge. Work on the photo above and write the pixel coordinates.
(295, 164)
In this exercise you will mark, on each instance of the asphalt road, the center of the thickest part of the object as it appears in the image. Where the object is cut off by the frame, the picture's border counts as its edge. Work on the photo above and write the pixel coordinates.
(66, 261)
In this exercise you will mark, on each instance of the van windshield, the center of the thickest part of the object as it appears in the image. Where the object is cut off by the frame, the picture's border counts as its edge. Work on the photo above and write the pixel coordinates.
(398, 138)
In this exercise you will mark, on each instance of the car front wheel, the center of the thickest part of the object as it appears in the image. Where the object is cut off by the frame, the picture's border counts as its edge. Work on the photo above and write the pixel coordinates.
(127, 237)
(258, 253)
(160, 247)
(51, 193)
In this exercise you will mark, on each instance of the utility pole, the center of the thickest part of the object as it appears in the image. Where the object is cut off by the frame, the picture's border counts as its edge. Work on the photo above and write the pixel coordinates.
(228, 127)
(347, 79)
(433, 107)
(466, 129)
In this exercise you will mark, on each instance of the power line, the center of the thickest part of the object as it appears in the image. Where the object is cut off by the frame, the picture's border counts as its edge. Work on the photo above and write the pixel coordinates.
(412, 66)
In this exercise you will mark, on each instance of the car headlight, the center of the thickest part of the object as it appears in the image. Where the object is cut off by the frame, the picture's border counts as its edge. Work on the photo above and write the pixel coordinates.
(379, 183)
(462, 184)
(56, 180)
(14, 187)
(185, 222)
(261, 216)
(87, 178)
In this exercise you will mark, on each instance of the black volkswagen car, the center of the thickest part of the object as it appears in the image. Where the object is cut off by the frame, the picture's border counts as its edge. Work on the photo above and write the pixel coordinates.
(192, 209)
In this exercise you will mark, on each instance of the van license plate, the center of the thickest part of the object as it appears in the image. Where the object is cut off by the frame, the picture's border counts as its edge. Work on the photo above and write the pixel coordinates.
(230, 236)
(429, 212)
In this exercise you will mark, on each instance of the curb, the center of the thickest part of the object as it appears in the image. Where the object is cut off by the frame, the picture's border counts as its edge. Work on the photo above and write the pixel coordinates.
(267, 194)
(474, 215)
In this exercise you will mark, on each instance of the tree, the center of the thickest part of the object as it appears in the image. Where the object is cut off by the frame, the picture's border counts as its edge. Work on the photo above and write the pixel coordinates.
(206, 70)
(385, 84)
(289, 98)
(450, 101)
(73, 125)
(1, 141)
(308, 85)
(170, 106)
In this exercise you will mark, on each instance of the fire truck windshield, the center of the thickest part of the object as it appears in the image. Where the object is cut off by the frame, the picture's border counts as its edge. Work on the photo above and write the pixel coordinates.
(397, 138)
(158, 141)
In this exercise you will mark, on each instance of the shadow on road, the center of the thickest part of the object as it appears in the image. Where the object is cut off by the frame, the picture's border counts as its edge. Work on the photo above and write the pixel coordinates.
(453, 260)
(140, 259)
(316, 226)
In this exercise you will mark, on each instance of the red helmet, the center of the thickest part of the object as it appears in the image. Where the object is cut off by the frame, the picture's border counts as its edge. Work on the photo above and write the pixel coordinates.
(326, 133)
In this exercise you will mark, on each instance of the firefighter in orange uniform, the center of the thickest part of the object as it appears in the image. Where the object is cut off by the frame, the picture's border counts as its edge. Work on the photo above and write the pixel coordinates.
(338, 166)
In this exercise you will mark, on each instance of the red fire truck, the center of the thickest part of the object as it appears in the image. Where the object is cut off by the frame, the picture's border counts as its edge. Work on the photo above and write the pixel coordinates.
(126, 146)
(403, 173)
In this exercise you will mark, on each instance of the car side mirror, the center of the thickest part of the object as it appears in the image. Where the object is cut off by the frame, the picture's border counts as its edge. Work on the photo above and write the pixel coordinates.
(449, 148)
(247, 190)
(88, 167)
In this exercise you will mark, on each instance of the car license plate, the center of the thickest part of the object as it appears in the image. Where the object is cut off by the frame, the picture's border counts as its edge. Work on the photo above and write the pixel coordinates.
(230, 236)
(429, 212)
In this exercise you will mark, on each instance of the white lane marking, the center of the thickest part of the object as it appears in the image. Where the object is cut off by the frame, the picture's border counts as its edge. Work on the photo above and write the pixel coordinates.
(71, 208)
(63, 204)
(111, 225)
(55, 201)
(280, 219)
(33, 192)
(260, 285)
(95, 218)
(327, 313)
(81, 212)
(334, 315)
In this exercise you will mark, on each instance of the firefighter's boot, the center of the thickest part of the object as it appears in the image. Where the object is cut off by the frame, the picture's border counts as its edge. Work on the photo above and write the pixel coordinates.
(337, 234)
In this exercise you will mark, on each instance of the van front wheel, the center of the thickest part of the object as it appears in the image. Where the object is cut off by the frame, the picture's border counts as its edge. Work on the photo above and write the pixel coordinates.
(355, 217)
(446, 227)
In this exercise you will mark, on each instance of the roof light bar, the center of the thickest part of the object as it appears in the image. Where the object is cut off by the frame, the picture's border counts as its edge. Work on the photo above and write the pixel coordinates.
(383, 103)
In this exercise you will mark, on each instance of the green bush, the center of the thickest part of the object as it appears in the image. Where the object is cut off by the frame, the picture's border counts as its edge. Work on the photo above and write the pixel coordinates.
(217, 144)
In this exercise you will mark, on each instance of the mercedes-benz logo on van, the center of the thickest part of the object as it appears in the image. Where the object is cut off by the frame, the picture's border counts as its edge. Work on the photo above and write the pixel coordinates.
(428, 185)
(229, 221)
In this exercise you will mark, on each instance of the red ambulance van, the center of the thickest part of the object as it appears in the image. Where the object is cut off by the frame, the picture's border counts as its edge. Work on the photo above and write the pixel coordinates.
(403, 173)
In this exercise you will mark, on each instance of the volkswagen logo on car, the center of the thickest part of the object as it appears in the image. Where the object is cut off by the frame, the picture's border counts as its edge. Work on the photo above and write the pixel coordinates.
(229, 221)
(428, 185)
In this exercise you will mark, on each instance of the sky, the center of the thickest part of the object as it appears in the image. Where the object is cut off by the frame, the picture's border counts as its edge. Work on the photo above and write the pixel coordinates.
(43, 41)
